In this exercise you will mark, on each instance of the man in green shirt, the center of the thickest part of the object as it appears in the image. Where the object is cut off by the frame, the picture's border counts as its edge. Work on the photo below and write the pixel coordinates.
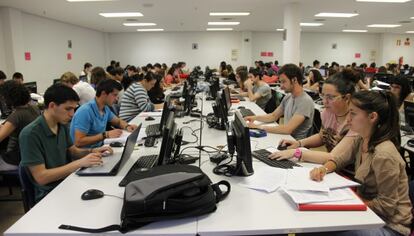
(45, 144)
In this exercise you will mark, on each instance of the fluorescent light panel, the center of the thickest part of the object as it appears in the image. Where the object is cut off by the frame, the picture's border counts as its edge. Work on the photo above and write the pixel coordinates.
(389, 1)
(223, 23)
(343, 15)
(90, 0)
(354, 31)
(409, 32)
(139, 24)
(311, 24)
(229, 13)
(219, 29)
(148, 30)
(383, 26)
(121, 14)
(280, 29)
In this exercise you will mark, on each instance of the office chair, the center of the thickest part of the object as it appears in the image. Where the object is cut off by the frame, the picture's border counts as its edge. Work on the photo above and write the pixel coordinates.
(27, 187)
(271, 104)
(8, 177)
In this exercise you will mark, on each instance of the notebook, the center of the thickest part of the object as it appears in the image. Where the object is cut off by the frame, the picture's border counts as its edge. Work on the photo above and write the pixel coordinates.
(113, 163)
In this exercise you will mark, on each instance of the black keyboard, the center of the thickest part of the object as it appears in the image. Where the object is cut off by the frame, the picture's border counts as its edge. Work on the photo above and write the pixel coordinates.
(153, 130)
(246, 112)
(406, 128)
(145, 162)
(262, 155)
(149, 141)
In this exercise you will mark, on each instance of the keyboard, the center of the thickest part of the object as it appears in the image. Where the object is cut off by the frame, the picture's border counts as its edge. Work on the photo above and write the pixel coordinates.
(246, 112)
(145, 162)
(153, 130)
(406, 128)
(262, 155)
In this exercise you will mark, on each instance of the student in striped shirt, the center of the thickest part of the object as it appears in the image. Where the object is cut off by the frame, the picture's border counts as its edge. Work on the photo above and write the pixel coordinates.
(136, 100)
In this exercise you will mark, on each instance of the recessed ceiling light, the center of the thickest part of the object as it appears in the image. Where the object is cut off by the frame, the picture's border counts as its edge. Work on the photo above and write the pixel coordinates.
(383, 26)
(147, 30)
(229, 13)
(409, 32)
(390, 1)
(354, 31)
(327, 14)
(311, 24)
(280, 29)
(121, 14)
(223, 23)
(139, 24)
(219, 29)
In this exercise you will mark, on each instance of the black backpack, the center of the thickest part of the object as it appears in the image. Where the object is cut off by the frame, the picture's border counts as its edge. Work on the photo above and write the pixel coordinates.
(164, 193)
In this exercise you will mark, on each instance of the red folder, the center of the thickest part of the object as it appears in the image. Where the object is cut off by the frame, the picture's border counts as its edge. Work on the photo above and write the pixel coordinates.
(351, 205)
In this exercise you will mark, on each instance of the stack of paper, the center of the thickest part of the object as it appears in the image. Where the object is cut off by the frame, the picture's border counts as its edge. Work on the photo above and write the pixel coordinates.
(124, 136)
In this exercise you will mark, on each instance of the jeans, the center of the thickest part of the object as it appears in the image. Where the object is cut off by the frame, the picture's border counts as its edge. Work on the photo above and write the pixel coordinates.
(383, 231)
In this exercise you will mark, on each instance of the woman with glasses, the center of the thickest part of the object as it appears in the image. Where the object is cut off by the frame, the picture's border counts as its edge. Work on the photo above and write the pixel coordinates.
(378, 164)
(334, 133)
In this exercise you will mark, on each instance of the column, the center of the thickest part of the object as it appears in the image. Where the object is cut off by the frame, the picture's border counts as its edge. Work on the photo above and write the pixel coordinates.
(291, 43)
(246, 49)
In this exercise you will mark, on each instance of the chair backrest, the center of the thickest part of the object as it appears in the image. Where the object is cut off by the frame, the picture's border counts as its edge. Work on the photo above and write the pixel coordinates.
(27, 187)
(317, 122)
(271, 104)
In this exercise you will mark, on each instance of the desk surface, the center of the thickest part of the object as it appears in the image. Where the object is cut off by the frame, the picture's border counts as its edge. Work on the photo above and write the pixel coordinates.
(245, 211)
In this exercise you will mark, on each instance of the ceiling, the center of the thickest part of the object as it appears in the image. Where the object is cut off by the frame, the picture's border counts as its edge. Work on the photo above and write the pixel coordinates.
(193, 15)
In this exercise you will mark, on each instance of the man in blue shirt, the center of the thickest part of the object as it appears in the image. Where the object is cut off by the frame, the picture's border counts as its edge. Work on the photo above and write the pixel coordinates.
(88, 125)
(45, 146)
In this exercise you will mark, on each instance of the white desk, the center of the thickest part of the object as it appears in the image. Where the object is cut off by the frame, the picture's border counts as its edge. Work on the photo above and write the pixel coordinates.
(245, 211)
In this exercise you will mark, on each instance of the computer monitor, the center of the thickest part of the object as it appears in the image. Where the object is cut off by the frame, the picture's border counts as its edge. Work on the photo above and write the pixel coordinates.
(220, 112)
(167, 143)
(56, 81)
(227, 97)
(165, 112)
(214, 88)
(323, 72)
(409, 113)
(241, 141)
(384, 77)
(31, 86)
(83, 78)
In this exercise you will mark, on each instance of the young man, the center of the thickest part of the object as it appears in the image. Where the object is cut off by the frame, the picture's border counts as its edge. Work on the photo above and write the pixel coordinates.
(136, 99)
(257, 90)
(46, 147)
(18, 77)
(84, 90)
(88, 125)
(297, 106)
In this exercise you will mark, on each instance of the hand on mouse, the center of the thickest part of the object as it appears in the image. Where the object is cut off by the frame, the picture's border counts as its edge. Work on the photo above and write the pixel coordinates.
(290, 144)
(115, 133)
(90, 160)
(103, 149)
(253, 125)
(287, 154)
(250, 118)
(131, 128)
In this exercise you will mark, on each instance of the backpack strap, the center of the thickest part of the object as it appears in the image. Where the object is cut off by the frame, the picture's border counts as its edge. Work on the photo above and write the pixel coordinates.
(219, 194)
(88, 230)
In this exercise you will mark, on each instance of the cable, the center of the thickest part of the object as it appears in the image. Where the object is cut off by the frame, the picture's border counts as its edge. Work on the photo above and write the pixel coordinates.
(192, 133)
(110, 195)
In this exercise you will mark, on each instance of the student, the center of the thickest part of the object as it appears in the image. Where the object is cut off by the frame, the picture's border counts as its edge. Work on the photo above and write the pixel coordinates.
(156, 93)
(241, 77)
(4, 108)
(169, 78)
(378, 164)
(111, 66)
(16, 95)
(400, 87)
(334, 134)
(45, 145)
(87, 68)
(316, 64)
(84, 90)
(297, 107)
(131, 71)
(3, 77)
(18, 77)
(257, 90)
(97, 75)
(313, 80)
(223, 69)
(136, 99)
(88, 125)
(230, 73)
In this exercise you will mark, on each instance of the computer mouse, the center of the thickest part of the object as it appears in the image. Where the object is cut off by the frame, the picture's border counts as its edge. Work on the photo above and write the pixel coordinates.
(410, 143)
(241, 107)
(106, 153)
(283, 147)
(150, 118)
(116, 144)
(92, 194)
(139, 170)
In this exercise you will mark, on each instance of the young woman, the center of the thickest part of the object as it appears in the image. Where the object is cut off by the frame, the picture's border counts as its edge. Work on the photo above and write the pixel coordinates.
(241, 77)
(313, 80)
(378, 165)
(23, 113)
(336, 95)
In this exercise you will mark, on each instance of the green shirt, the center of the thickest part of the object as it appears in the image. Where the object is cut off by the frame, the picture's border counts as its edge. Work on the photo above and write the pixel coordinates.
(39, 145)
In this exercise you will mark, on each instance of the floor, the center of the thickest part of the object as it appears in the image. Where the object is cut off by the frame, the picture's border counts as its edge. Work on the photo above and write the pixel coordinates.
(10, 211)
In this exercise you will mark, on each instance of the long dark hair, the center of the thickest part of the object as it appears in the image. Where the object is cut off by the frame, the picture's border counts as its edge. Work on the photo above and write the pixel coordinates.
(388, 122)
(343, 82)
(405, 85)
(316, 77)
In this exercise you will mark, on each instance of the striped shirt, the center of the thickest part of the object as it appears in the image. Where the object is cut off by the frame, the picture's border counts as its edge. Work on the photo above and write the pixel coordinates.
(134, 101)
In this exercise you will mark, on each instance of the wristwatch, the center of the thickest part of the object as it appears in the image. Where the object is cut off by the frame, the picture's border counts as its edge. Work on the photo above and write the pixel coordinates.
(104, 135)
(298, 153)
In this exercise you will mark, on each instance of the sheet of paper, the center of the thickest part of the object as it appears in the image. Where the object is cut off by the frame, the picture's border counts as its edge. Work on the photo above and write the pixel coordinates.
(298, 179)
(266, 179)
(300, 197)
(153, 114)
(335, 181)
(124, 137)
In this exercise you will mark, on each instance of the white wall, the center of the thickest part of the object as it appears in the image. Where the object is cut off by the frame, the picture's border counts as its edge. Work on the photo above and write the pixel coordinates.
(319, 46)
(3, 65)
(392, 52)
(46, 40)
(267, 42)
(142, 48)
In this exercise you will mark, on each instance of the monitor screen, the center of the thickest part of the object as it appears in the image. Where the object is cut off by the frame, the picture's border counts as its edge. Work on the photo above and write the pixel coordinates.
(165, 112)
(227, 97)
(409, 113)
(56, 81)
(241, 140)
(323, 72)
(31, 86)
(214, 87)
(167, 143)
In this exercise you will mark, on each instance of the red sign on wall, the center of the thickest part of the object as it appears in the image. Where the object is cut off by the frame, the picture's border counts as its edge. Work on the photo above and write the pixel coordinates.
(357, 55)
(263, 54)
(270, 54)
(69, 56)
(27, 56)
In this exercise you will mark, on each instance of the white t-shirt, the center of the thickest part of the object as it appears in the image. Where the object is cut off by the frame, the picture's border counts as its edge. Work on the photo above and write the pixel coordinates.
(85, 92)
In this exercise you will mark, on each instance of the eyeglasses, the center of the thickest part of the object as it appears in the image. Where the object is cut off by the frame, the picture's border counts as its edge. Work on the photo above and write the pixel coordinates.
(329, 97)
